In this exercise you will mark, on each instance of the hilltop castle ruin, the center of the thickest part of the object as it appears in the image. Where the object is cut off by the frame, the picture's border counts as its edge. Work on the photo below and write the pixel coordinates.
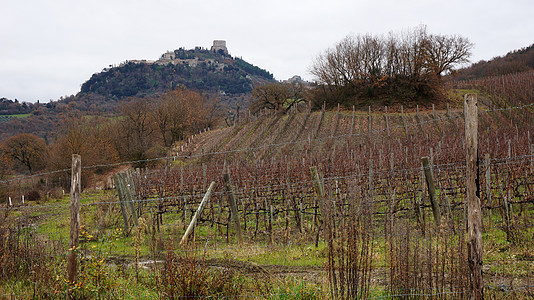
(219, 45)
(171, 57)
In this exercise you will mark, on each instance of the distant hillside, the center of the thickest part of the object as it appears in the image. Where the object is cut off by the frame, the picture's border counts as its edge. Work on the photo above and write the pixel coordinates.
(198, 69)
(13, 107)
(275, 136)
(515, 61)
(229, 78)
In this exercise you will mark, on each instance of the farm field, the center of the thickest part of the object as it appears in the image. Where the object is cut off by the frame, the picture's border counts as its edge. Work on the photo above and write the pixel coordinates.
(5, 118)
(329, 204)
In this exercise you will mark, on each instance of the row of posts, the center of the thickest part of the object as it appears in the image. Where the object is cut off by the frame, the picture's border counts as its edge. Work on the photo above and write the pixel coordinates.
(474, 220)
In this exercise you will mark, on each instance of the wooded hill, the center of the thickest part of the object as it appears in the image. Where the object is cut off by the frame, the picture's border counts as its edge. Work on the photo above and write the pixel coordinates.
(231, 79)
(215, 74)
(515, 61)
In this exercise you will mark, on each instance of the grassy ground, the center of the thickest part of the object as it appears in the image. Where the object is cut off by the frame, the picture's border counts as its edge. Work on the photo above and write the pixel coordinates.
(280, 271)
(5, 118)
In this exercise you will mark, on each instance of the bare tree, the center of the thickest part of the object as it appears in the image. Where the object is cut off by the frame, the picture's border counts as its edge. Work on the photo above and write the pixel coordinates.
(444, 52)
(26, 149)
(92, 138)
(277, 96)
(180, 112)
(136, 127)
(366, 62)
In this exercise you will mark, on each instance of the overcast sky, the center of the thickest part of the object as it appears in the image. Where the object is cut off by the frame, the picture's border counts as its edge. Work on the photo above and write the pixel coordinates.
(50, 47)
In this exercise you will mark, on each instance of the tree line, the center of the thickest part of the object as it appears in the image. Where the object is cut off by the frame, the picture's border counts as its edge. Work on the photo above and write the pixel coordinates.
(406, 66)
(145, 128)
(368, 69)
(517, 61)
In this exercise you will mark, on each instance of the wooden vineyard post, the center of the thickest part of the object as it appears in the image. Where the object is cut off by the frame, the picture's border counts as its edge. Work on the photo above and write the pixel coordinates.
(418, 204)
(319, 189)
(370, 124)
(431, 191)
(197, 214)
(233, 207)
(488, 178)
(387, 121)
(271, 220)
(75, 190)
(121, 191)
(371, 185)
(352, 121)
(127, 186)
(121, 201)
(474, 213)
(404, 121)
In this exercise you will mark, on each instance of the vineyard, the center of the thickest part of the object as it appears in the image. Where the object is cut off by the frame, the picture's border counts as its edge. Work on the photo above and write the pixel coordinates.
(309, 204)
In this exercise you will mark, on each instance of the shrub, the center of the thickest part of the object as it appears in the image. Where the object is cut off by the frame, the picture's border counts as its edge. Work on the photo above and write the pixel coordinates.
(187, 276)
(33, 196)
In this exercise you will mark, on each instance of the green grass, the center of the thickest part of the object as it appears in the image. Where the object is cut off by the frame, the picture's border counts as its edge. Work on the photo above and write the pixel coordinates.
(502, 258)
(20, 116)
(5, 118)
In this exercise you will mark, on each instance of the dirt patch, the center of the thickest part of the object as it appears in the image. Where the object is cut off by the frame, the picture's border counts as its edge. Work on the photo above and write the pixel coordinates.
(308, 273)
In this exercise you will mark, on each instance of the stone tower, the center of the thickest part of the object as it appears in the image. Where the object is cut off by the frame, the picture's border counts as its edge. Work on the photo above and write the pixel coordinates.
(219, 45)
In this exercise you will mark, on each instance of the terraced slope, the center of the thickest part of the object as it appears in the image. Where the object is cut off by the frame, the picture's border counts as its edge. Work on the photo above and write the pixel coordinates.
(320, 134)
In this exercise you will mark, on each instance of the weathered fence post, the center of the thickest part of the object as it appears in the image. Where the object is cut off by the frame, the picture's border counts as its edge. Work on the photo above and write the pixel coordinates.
(233, 207)
(370, 121)
(431, 191)
(371, 185)
(488, 178)
(197, 213)
(474, 213)
(271, 220)
(127, 186)
(387, 121)
(404, 121)
(75, 190)
(319, 189)
(352, 121)
(120, 191)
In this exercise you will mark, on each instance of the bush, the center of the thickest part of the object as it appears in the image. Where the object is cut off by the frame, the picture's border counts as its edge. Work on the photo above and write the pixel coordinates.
(186, 275)
(33, 196)
(26, 259)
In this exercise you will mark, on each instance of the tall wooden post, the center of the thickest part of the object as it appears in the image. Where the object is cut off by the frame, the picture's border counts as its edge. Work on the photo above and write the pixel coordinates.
(122, 197)
(474, 212)
(431, 191)
(370, 122)
(75, 190)
(325, 212)
(233, 207)
(387, 121)
(531, 158)
(352, 121)
(404, 121)
(488, 178)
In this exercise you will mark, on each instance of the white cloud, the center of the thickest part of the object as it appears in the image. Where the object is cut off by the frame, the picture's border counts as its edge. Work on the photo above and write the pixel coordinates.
(49, 48)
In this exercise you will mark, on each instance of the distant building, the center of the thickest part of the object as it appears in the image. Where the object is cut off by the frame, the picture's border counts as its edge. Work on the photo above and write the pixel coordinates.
(219, 45)
(172, 58)
(296, 79)
(169, 55)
